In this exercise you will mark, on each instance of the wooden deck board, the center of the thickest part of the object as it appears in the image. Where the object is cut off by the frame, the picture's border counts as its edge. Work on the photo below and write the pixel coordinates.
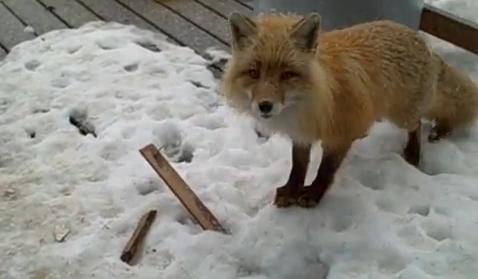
(3, 53)
(11, 29)
(175, 26)
(196, 24)
(225, 7)
(110, 10)
(201, 16)
(70, 11)
(35, 15)
(246, 3)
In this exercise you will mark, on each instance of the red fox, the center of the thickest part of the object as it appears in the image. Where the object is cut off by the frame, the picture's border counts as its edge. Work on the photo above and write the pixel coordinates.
(332, 86)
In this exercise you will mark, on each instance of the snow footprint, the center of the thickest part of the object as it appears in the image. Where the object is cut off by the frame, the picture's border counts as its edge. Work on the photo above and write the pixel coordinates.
(146, 187)
(343, 213)
(413, 236)
(73, 49)
(437, 230)
(420, 209)
(374, 179)
(149, 46)
(159, 112)
(109, 43)
(387, 205)
(442, 210)
(391, 261)
(62, 81)
(208, 121)
(79, 119)
(32, 65)
(171, 140)
(31, 133)
(128, 132)
(113, 151)
(131, 67)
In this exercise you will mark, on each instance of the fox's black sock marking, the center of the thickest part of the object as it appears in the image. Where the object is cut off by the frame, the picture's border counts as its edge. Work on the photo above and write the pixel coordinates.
(295, 182)
(412, 150)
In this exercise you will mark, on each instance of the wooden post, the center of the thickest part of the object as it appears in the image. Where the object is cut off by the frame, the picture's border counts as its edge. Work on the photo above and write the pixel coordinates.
(181, 190)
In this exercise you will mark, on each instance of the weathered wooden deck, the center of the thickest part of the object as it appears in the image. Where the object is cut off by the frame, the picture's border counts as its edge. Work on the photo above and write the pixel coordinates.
(199, 24)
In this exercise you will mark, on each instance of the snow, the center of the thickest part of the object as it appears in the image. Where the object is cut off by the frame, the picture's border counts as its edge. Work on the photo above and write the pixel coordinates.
(381, 219)
(29, 29)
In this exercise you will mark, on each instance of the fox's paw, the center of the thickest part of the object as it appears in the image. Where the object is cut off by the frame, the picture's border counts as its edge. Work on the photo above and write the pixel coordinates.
(309, 197)
(437, 133)
(285, 197)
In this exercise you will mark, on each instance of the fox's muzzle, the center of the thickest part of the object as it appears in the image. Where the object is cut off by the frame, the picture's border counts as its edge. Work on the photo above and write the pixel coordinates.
(266, 99)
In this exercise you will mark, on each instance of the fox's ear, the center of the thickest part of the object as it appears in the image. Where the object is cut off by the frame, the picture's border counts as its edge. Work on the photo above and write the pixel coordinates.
(306, 31)
(242, 28)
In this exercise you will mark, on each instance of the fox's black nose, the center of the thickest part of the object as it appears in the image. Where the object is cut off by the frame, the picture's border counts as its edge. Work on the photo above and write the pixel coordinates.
(266, 106)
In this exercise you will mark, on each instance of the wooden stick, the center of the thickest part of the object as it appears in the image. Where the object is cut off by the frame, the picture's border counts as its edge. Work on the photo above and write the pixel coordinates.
(444, 25)
(181, 190)
(131, 248)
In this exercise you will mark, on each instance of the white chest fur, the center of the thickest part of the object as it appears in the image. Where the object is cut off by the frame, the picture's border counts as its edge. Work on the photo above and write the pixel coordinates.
(290, 124)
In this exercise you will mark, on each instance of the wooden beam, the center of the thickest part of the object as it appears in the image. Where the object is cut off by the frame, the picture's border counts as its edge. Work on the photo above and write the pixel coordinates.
(449, 27)
(183, 192)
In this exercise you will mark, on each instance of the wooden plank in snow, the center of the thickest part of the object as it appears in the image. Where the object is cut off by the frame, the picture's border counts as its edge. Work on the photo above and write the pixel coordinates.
(181, 190)
(130, 251)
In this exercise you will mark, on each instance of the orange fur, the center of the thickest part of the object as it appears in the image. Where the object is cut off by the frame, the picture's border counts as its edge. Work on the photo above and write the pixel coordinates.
(346, 81)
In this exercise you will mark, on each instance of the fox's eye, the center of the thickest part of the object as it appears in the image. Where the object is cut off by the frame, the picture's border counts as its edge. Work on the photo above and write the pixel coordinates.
(253, 73)
(288, 75)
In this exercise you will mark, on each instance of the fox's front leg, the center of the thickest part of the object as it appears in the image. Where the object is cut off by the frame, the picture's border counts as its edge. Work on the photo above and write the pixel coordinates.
(287, 194)
(332, 158)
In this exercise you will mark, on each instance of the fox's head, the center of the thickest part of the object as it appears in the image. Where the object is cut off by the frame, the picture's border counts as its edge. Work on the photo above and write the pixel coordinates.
(273, 58)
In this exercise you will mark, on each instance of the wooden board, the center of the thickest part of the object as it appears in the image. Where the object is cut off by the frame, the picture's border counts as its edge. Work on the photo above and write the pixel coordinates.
(225, 7)
(130, 251)
(3, 54)
(35, 15)
(180, 189)
(111, 10)
(11, 29)
(71, 12)
(174, 25)
(446, 26)
(124, 12)
(202, 17)
(246, 3)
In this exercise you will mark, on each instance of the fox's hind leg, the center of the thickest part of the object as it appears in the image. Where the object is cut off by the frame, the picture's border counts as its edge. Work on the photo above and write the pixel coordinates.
(411, 152)
(411, 123)
(287, 194)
